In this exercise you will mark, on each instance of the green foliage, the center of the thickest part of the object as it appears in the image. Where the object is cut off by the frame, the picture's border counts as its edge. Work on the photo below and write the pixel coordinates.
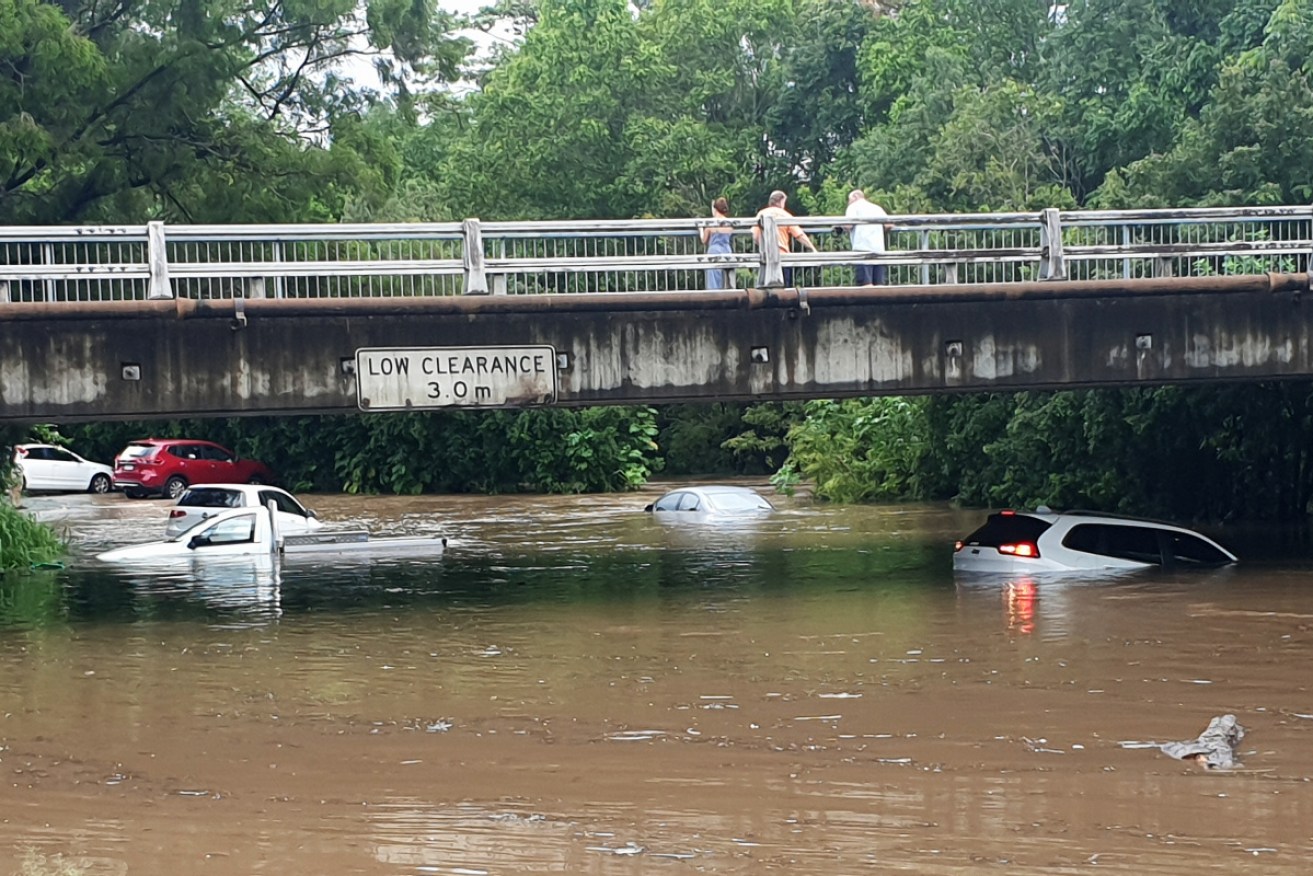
(590, 449)
(765, 430)
(554, 450)
(217, 111)
(1122, 450)
(859, 450)
(1251, 456)
(603, 113)
(722, 438)
(24, 542)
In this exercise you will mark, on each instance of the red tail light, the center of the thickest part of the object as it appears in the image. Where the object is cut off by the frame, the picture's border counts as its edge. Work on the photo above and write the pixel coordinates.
(1020, 549)
(21, 451)
(176, 513)
(958, 545)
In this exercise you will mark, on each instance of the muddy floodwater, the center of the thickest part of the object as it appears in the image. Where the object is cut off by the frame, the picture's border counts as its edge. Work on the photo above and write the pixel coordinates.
(575, 687)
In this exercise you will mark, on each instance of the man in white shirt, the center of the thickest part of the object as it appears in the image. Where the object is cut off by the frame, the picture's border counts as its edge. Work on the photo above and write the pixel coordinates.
(868, 237)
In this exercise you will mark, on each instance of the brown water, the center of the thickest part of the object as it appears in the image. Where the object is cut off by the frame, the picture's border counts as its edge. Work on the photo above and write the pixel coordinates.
(575, 688)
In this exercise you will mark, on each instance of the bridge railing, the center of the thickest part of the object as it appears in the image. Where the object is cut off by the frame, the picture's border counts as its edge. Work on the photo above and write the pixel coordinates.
(113, 263)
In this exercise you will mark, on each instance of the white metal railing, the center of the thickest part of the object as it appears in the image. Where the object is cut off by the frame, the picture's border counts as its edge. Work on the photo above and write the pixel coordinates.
(109, 263)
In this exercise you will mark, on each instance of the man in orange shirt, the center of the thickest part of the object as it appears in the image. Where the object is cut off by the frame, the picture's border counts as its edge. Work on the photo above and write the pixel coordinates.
(787, 233)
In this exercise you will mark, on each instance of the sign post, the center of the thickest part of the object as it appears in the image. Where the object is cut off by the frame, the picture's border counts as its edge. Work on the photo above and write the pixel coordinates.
(419, 378)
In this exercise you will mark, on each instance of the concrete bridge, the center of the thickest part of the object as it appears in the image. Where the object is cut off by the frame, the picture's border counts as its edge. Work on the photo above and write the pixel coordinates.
(155, 321)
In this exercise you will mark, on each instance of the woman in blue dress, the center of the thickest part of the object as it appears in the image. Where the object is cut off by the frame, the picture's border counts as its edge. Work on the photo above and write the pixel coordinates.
(716, 238)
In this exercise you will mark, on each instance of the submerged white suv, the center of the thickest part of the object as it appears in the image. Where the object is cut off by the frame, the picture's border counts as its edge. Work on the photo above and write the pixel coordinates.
(1044, 541)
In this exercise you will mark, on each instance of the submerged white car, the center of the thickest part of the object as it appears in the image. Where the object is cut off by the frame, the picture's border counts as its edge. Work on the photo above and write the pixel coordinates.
(204, 501)
(1020, 542)
(711, 500)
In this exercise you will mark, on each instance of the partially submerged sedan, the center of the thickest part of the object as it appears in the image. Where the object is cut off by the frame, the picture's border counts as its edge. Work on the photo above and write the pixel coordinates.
(712, 500)
(1017, 542)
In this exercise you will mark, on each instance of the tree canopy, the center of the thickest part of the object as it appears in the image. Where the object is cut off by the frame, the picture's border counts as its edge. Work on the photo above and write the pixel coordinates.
(214, 111)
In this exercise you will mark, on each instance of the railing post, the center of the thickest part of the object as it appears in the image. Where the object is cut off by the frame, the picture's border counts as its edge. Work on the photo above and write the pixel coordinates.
(923, 237)
(1126, 245)
(771, 273)
(476, 283)
(1052, 264)
(280, 288)
(157, 258)
(48, 258)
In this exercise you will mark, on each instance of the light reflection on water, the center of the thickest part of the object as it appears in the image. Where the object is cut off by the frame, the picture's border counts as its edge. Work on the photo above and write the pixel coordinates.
(576, 687)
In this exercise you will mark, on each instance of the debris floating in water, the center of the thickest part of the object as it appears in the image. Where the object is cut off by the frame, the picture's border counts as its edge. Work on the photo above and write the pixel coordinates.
(629, 848)
(1215, 747)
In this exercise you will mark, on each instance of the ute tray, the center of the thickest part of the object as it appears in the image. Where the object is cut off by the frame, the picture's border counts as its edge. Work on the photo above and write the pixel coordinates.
(326, 538)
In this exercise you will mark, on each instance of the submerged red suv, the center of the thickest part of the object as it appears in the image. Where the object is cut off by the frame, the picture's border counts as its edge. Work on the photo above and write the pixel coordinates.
(167, 466)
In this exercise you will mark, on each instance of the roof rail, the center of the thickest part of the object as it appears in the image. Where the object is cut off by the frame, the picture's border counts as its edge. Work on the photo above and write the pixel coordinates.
(1077, 512)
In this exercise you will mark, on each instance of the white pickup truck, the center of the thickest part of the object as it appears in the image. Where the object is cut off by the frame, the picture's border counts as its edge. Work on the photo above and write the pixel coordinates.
(252, 531)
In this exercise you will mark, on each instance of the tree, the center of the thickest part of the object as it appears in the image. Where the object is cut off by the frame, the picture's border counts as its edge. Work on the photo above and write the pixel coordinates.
(204, 111)
(546, 134)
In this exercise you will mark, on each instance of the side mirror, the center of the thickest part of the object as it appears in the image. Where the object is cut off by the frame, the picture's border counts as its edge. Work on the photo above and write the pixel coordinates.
(648, 507)
(197, 541)
(312, 515)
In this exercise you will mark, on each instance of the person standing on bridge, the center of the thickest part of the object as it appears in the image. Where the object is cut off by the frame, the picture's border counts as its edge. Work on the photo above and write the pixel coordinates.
(868, 237)
(787, 233)
(716, 238)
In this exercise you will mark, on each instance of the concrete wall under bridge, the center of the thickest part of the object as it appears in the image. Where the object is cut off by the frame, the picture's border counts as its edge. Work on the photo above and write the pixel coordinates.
(64, 362)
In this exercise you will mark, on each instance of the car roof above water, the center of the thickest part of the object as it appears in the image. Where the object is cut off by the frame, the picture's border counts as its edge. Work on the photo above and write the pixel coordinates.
(1047, 517)
(204, 492)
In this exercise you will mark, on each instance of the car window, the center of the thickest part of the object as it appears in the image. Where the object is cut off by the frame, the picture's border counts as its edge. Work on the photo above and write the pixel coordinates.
(139, 451)
(210, 497)
(1134, 543)
(183, 451)
(214, 453)
(235, 530)
(1087, 538)
(689, 502)
(1008, 529)
(1125, 542)
(61, 455)
(38, 453)
(668, 502)
(282, 502)
(1192, 550)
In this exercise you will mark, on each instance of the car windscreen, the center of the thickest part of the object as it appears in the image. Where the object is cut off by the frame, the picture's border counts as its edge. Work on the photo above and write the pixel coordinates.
(211, 497)
(739, 502)
(1008, 529)
(138, 451)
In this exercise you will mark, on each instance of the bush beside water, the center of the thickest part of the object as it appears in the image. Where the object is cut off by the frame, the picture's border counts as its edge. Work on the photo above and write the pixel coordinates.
(24, 542)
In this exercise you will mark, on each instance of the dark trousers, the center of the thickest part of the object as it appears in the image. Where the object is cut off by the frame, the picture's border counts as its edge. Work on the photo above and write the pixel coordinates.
(870, 275)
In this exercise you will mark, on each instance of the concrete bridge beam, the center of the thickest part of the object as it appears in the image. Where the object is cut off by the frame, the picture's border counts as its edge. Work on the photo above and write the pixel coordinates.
(188, 357)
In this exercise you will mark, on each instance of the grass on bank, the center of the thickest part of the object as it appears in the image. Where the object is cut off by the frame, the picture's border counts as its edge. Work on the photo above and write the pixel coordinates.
(25, 542)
